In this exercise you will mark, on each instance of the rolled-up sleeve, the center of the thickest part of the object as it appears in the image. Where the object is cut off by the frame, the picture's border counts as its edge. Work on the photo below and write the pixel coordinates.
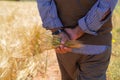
(48, 13)
(93, 20)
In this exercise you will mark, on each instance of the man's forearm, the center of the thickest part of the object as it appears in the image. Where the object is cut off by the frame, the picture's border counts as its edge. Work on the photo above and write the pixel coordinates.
(48, 13)
(97, 16)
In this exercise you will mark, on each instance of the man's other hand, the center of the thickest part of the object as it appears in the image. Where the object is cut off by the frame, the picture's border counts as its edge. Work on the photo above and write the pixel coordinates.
(74, 33)
(62, 49)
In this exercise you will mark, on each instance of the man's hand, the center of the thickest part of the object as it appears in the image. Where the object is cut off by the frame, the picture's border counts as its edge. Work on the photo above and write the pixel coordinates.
(74, 33)
(62, 49)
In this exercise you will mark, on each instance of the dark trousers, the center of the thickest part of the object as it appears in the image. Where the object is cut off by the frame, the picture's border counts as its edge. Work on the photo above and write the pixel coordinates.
(84, 67)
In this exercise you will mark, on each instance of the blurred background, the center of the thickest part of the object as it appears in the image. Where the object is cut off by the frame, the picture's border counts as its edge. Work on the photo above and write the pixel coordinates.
(22, 48)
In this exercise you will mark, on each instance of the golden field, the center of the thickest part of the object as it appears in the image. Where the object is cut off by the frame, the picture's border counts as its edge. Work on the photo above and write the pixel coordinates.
(22, 41)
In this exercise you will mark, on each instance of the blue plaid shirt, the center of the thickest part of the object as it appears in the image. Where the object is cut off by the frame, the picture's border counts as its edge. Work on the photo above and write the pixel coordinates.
(90, 23)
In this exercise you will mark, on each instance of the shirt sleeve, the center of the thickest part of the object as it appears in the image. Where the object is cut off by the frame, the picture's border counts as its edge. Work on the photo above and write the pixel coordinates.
(48, 13)
(93, 20)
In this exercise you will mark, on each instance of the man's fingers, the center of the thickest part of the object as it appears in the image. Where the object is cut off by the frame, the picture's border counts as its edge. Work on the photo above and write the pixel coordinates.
(64, 37)
(68, 49)
(62, 41)
(63, 50)
(57, 50)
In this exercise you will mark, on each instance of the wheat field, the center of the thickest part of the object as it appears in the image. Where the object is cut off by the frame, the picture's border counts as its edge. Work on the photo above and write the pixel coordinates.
(24, 47)
(22, 42)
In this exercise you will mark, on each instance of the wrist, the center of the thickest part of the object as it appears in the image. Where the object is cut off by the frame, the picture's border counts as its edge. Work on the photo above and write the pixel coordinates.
(78, 28)
(57, 32)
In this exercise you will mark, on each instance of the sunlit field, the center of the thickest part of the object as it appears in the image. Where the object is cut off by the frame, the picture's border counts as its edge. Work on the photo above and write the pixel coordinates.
(114, 68)
(22, 42)
(25, 46)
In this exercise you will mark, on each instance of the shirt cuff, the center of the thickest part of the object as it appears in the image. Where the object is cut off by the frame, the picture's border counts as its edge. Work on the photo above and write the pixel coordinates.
(52, 23)
(82, 24)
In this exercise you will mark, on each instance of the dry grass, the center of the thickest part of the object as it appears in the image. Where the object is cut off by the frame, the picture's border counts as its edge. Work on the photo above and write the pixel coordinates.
(21, 41)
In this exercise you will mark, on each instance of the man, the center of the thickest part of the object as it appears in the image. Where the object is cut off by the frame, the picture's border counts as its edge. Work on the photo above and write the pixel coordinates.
(88, 21)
